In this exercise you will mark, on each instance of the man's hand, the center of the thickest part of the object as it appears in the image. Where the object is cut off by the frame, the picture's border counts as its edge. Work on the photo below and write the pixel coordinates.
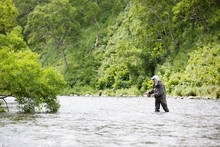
(149, 95)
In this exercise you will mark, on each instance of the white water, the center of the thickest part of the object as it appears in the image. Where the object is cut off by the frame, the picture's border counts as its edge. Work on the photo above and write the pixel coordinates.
(115, 122)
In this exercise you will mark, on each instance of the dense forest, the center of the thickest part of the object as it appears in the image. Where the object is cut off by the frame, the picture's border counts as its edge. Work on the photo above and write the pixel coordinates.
(107, 47)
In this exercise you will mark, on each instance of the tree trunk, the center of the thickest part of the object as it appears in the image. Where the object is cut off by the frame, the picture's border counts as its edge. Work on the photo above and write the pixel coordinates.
(193, 18)
(3, 98)
(172, 38)
(97, 39)
(64, 58)
(204, 24)
(60, 43)
(193, 24)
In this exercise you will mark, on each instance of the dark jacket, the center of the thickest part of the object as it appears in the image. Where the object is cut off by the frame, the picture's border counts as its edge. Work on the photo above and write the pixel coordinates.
(158, 90)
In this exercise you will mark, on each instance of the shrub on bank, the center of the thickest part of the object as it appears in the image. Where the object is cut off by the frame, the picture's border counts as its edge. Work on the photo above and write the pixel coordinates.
(204, 91)
(200, 76)
(131, 91)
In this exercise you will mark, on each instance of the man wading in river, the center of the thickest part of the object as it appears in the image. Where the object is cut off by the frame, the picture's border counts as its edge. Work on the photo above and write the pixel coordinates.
(159, 92)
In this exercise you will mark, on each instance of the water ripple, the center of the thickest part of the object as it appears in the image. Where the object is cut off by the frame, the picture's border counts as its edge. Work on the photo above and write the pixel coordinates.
(113, 122)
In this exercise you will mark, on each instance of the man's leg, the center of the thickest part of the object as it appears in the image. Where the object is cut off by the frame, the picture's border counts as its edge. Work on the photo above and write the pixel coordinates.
(164, 104)
(157, 105)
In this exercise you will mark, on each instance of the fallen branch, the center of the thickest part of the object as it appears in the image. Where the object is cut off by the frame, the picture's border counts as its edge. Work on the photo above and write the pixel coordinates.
(3, 98)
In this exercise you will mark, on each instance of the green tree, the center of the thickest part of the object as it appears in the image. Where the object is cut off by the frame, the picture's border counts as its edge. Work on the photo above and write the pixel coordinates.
(21, 75)
(56, 21)
(25, 7)
(198, 12)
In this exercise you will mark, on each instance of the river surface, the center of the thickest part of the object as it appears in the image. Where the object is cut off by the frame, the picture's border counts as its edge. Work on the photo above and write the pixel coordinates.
(114, 122)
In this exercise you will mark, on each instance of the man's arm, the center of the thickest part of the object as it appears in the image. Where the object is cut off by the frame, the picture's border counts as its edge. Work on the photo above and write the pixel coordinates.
(150, 93)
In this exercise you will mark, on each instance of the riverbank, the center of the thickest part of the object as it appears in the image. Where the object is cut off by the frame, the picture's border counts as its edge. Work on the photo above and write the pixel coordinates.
(168, 96)
(191, 93)
(191, 97)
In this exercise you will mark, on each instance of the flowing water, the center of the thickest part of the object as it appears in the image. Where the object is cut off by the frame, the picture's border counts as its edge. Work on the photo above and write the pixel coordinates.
(114, 122)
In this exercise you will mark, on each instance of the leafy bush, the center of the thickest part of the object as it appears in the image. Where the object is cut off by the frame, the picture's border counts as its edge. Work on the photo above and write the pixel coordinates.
(146, 85)
(200, 73)
(178, 90)
(24, 79)
(190, 91)
(128, 91)
(115, 76)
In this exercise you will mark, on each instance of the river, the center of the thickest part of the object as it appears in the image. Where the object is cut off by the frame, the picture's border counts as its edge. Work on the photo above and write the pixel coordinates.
(114, 122)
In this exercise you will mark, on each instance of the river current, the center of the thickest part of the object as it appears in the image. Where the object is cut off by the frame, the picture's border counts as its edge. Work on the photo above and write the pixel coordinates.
(114, 122)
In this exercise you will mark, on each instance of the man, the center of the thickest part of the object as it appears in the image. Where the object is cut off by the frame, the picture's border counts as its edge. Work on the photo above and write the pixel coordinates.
(159, 92)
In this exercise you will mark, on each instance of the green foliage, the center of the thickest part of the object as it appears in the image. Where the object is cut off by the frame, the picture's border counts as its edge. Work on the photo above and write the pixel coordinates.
(25, 7)
(83, 75)
(8, 14)
(21, 74)
(117, 77)
(13, 40)
(201, 72)
(123, 55)
(53, 23)
(120, 44)
(203, 66)
(132, 91)
(82, 90)
(92, 12)
(147, 85)
(22, 77)
(197, 12)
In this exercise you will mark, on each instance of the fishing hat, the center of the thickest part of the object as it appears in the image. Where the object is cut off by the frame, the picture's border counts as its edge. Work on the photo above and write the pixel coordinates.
(155, 77)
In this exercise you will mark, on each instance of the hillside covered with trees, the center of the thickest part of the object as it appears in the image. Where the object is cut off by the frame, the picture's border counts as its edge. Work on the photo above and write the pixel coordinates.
(109, 47)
